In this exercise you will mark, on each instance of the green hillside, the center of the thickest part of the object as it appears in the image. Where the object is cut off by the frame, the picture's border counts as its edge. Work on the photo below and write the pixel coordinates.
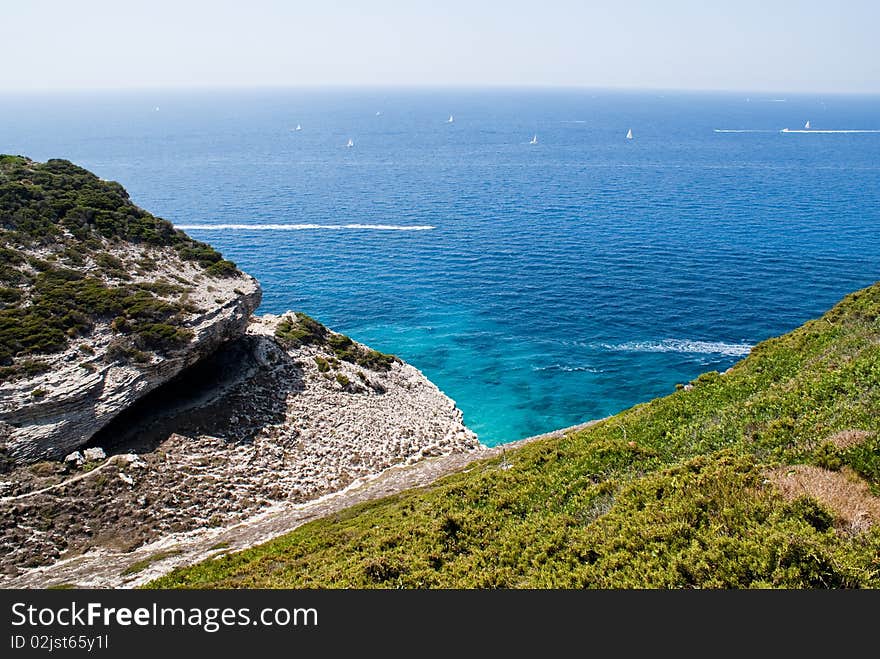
(766, 476)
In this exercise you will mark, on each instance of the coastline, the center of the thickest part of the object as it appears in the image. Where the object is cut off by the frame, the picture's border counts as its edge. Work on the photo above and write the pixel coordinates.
(261, 425)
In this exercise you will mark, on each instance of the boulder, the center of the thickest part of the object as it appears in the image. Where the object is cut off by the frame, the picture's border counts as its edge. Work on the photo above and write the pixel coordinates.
(94, 454)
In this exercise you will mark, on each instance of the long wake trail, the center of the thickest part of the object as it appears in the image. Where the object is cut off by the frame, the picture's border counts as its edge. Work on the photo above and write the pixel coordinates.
(305, 227)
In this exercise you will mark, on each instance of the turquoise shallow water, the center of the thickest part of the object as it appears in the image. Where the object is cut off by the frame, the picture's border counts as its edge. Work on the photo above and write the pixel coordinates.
(560, 281)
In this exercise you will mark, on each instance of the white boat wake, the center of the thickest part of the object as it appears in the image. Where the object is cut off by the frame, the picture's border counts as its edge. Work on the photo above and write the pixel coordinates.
(826, 132)
(811, 131)
(304, 227)
(683, 346)
(567, 369)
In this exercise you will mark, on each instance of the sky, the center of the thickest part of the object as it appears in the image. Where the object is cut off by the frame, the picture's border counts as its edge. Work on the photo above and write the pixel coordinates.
(756, 45)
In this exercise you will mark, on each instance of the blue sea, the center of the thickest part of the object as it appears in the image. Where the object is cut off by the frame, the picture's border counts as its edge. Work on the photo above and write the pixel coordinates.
(539, 285)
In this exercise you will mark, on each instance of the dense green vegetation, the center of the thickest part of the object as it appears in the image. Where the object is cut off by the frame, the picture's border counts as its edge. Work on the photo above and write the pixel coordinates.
(50, 202)
(65, 304)
(676, 492)
(304, 330)
(55, 218)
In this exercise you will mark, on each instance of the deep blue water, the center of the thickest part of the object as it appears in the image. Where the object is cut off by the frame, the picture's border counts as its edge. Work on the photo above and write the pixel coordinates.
(562, 281)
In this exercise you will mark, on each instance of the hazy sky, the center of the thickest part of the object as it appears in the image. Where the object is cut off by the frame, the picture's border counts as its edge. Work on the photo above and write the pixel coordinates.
(773, 45)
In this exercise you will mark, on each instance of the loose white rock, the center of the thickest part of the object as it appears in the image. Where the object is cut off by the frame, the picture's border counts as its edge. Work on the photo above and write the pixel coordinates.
(93, 454)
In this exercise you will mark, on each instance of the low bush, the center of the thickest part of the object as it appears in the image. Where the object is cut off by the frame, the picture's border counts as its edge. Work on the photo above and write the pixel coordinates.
(302, 330)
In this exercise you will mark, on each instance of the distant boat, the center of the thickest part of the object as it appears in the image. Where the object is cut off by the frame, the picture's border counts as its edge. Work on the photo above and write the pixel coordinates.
(378, 114)
(807, 125)
(298, 127)
(157, 108)
(534, 140)
(350, 143)
(450, 120)
(629, 134)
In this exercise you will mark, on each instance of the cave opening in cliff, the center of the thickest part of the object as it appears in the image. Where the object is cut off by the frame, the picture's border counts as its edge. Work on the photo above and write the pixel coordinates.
(212, 397)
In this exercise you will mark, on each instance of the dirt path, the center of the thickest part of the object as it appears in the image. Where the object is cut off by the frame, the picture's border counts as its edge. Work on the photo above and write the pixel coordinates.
(62, 484)
(108, 569)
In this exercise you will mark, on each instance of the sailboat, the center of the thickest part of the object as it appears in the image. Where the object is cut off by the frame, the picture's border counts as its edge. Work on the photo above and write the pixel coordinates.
(807, 125)
(629, 134)
(350, 143)
(298, 127)
(534, 140)
(450, 120)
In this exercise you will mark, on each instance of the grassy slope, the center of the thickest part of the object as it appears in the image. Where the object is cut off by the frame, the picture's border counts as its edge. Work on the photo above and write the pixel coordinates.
(671, 493)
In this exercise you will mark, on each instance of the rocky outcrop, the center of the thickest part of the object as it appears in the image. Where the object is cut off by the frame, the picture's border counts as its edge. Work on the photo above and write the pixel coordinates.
(140, 399)
(51, 414)
(100, 303)
(259, 425)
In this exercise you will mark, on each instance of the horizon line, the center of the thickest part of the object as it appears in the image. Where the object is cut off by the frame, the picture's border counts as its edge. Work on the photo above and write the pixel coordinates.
(432, 87)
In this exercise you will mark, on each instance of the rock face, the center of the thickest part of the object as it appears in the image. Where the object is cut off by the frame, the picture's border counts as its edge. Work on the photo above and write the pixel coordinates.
(100, 303)
(75, 401)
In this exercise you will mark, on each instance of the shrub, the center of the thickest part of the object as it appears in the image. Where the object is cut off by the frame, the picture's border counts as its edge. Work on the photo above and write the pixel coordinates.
(222, 268)
(196, 251)
(378, 361)
(301, 331)
(305, 330)
(379, 570)
(161, 337)
(706, 378)
(124, 352)
(347, 350)
(110, 263)
(812, 512)
(826, 456)
(864, 458)
(9, 296)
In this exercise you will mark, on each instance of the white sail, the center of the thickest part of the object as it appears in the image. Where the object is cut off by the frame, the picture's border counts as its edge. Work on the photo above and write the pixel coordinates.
(534, 140)
(629, 134)
(450, 120)
(807, 125)
(298, 127)
(350, 143)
